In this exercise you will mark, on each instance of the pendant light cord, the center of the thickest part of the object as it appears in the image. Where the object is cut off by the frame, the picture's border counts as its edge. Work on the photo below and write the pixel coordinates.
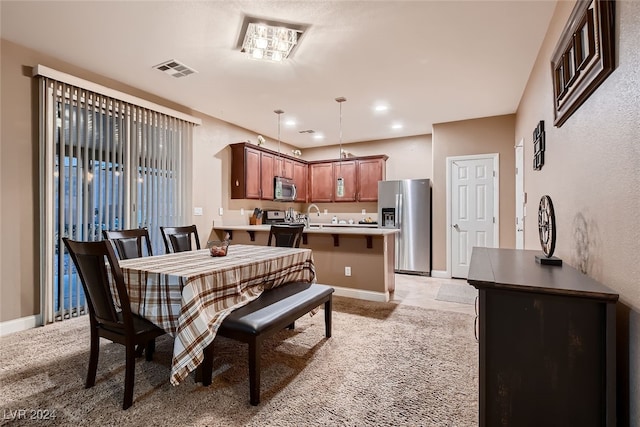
(340, 100)
(278, 112)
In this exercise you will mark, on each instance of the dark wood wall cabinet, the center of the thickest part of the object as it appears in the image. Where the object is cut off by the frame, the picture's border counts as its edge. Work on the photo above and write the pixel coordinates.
(253, 169)
(361, 176)
(547, 342)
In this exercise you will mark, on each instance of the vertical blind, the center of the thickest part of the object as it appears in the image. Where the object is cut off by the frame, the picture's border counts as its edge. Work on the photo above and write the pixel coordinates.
(105, 164)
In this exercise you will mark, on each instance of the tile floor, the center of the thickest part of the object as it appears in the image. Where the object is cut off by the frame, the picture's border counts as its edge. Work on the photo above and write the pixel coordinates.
(421, 291)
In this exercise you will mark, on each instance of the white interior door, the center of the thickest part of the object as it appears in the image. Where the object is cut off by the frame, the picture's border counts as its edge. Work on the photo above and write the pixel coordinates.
(473, 219)
(520, 196)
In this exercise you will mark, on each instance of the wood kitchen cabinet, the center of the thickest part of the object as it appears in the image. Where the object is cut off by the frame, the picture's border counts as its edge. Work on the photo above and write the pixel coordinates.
(370, 171)
(252, 172)
(547, 339)
(283, 167)
(267, 172)
(253, 169)
(300, 174)
(321, 182)
(347, 169)
(360, 176)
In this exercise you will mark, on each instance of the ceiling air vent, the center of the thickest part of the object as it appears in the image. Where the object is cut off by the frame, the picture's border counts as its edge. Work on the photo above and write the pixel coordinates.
(307, 131)
(175, 68)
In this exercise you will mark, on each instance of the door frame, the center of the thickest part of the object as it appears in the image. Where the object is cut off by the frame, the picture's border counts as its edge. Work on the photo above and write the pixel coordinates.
(496, 198)
(520, 195)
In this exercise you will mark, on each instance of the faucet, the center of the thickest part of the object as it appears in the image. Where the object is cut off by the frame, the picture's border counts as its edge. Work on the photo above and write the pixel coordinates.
(313, 205)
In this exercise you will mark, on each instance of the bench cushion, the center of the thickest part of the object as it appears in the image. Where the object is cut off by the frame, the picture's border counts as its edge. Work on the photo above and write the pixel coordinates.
(288, 301)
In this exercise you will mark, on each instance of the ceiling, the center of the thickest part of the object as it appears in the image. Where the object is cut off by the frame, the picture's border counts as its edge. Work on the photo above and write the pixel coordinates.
(428, 61)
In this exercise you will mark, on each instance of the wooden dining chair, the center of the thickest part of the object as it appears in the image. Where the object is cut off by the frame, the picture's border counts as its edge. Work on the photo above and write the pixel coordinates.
(179, 239)
(286, 236)
(93, 260)
(129, 243)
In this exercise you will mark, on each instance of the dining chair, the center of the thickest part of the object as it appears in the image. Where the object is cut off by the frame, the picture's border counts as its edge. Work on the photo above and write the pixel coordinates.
(94, 262)
(129, 243)
(287, 236)
(178, 239)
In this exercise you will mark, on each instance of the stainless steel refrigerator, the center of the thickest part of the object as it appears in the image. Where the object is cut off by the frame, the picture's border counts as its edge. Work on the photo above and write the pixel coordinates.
(406, 205)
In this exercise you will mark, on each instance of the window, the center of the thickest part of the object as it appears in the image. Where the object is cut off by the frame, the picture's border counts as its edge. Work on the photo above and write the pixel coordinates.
(105, 163)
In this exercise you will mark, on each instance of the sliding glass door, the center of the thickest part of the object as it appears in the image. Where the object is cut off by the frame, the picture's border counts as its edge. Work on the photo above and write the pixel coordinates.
(105, 164)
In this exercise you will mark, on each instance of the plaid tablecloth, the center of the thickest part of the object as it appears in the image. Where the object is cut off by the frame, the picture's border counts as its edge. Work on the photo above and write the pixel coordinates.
(213, 287)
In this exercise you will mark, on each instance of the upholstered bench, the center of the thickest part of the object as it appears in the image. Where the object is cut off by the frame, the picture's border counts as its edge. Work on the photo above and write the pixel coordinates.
(272, 311)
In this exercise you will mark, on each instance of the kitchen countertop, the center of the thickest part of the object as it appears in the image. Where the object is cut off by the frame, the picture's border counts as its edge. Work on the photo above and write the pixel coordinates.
(345, 229)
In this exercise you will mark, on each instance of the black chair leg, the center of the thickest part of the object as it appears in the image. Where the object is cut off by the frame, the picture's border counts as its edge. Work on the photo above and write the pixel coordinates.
(139, 350)
(327, 318)
(292, 326)
(255, 347)
(93, 358)
(150, 349)
(129, 376)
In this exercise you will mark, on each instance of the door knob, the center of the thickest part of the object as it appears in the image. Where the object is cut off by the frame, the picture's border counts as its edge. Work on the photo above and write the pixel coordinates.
(456, 227)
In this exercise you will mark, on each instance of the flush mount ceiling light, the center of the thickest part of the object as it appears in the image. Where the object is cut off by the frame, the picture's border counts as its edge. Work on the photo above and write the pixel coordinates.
(269, 40)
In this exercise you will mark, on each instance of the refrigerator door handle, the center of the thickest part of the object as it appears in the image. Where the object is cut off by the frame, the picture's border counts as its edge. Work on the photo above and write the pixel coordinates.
(399, 212)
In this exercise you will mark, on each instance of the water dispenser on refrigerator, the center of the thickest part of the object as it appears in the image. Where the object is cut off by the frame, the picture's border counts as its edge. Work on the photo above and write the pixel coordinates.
(388, 218)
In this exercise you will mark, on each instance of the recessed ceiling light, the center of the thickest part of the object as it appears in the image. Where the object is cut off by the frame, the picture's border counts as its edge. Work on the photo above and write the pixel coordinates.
(381, 107)
(396, 126)
(290, 122)
(318, 136)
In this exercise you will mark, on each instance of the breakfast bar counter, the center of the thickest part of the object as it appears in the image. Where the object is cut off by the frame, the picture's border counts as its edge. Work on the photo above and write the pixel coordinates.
(356, 259)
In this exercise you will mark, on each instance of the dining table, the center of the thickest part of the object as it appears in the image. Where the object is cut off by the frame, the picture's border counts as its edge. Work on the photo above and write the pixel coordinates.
(189, 294)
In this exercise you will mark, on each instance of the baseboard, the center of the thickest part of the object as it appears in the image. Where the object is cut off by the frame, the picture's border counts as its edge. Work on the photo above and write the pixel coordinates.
(440, 274)
(21, 324)
(361, 294)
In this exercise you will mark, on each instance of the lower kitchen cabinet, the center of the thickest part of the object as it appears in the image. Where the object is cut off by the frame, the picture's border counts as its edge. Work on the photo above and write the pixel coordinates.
(547, 342)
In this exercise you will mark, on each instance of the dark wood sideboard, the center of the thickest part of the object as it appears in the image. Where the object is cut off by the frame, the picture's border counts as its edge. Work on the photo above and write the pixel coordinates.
(547, 342)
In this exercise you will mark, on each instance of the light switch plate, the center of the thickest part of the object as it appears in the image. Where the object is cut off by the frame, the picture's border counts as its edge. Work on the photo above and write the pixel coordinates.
(364, 211)
(220, 211)
(197, 211)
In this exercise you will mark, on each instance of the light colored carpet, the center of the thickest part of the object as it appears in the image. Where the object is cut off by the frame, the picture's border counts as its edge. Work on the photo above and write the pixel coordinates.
(457, 292)
(386, 364)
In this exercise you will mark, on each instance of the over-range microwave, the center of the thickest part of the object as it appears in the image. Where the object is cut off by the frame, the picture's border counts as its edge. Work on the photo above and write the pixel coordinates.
(284, 190)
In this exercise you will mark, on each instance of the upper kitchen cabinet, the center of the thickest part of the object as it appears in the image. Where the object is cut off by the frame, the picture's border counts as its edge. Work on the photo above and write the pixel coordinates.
(245, 172)
(348, 170)
(283, 167)
(252, 172)
(361, 176)
(253, 169)
(370, 171)
(300, 174)
(321, 182)
(267, 173)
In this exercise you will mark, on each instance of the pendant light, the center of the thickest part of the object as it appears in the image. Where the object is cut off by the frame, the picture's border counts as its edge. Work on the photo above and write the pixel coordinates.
(278, 189)
(340, 181)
